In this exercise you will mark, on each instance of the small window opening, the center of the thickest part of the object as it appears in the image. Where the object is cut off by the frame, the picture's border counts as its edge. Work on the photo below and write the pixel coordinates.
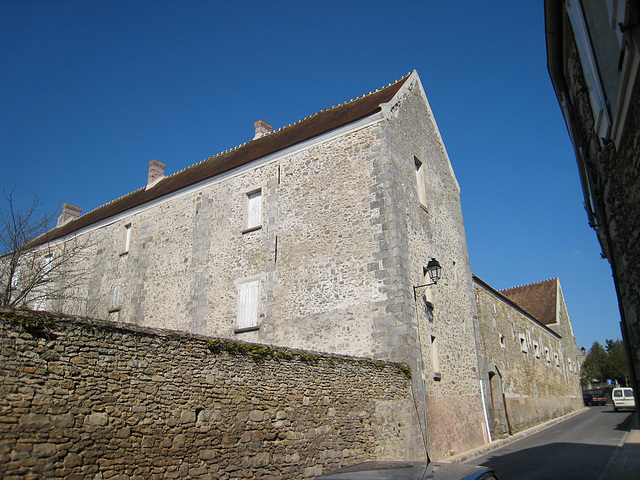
(420, 181)
(523, 343)
(126, 239)
(435, 359)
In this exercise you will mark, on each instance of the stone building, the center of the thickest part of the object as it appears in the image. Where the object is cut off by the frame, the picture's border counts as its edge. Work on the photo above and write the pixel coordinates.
(314, 236)
(593, 53)
(532, 363)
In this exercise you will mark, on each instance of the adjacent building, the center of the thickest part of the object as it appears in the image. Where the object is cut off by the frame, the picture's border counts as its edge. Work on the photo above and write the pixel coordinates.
(593, 53)
(532, 363)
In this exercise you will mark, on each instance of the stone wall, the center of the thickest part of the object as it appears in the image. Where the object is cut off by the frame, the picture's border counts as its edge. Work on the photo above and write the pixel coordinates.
(532, 373)
(87, 399)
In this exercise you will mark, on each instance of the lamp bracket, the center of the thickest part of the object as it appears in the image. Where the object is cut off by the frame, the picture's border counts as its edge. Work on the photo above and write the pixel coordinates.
(415, 287)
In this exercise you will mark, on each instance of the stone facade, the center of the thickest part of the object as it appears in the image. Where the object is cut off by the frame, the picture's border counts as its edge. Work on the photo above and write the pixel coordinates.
(607, 143)
(88, 399)
(346, 221)
(532, 372)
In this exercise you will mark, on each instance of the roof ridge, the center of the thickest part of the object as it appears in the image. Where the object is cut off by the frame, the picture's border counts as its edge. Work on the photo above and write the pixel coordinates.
(290, 125)
(309, 127)
(528, 284)
(104, 205)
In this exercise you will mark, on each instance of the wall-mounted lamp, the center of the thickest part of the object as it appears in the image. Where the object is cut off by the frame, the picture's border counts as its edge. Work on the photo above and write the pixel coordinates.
(434, 270)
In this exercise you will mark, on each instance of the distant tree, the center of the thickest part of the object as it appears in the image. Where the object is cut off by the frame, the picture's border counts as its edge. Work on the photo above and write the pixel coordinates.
(617, 368)
(39, 277)
(594, 367)
(605, 364)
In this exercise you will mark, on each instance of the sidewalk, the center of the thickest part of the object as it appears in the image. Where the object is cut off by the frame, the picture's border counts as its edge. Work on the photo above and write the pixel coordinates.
(624, 464)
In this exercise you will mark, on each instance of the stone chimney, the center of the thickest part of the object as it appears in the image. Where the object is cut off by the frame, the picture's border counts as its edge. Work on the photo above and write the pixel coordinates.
(262, 128)
(156, 173)
(69, 212)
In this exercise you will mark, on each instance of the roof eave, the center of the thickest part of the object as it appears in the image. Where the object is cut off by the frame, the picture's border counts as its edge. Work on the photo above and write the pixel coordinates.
(308, 128)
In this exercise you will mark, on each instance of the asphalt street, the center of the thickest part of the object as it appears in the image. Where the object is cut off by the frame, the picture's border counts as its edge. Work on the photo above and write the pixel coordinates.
(578, 448)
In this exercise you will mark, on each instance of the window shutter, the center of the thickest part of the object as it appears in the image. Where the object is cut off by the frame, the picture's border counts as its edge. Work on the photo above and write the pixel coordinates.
(248, 305)
(254, 209)
(589, 68)
(115, 296)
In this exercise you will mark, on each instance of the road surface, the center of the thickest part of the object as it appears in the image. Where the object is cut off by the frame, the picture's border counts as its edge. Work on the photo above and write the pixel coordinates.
(578, 448)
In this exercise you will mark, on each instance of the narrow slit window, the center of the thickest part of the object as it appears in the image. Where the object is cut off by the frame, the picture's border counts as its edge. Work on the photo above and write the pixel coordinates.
(126, 240)
(523, 343)
(435, 358)
(248, 296)
(422, 191)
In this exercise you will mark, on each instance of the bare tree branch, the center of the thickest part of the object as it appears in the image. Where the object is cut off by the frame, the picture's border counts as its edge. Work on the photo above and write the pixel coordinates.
(46, 276)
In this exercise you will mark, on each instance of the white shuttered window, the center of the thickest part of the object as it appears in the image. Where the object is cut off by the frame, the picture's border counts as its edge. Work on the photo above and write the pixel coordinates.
(248, 295)
(254, 209)
(115, 296)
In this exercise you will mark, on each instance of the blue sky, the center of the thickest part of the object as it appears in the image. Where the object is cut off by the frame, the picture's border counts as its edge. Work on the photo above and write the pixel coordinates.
(91, 91)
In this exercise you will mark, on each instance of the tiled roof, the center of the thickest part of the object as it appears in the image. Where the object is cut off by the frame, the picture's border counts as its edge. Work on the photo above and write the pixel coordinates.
(310, 127)
(510, 301)
(539, 299)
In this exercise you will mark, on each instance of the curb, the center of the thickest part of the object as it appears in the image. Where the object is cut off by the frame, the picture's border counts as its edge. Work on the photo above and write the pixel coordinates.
(496, 444)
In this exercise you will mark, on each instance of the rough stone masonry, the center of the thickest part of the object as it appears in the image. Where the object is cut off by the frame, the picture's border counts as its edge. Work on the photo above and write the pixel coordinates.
(88, 399)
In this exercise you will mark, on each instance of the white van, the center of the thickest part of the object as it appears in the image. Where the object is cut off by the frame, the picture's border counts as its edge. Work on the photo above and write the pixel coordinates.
(623, 398)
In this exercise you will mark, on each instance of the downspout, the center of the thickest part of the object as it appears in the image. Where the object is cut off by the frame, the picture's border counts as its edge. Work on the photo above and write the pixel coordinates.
(426, 423)
(481, 368)
(484, 409)
(425, 435)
